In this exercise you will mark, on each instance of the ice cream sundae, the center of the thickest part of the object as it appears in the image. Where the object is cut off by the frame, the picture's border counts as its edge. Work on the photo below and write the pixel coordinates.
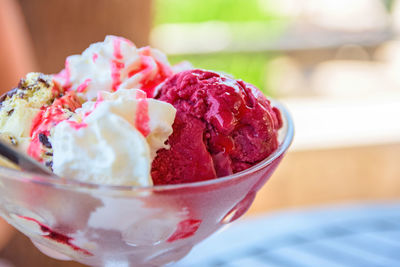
(118, 115)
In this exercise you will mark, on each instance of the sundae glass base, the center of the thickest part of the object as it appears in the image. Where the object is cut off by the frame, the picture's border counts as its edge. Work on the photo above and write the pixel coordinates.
(102, 225)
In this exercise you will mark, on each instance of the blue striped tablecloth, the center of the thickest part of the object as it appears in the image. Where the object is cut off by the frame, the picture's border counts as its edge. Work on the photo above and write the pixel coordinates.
(366, 234)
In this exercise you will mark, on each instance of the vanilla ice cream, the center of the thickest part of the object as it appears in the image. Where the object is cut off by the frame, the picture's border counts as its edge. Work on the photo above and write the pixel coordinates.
(21, 105)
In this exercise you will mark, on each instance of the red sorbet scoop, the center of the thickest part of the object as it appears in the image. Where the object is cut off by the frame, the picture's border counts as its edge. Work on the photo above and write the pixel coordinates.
(222, 126)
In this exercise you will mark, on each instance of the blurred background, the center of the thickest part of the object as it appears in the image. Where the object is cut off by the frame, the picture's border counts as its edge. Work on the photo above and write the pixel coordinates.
(334, 63)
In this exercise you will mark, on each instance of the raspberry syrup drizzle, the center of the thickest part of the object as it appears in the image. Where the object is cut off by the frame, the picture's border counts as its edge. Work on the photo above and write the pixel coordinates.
(42, 123)
(142, 118)
(94, 57)
(35, 147)
(69, 101)
(56, 236)
(99, 99)
(96, 104)
(56, 90)
(149, 80)
(117, 48)
(65, 75)
(47, 118)
(82, 87)
(77, 125)
(116, 66)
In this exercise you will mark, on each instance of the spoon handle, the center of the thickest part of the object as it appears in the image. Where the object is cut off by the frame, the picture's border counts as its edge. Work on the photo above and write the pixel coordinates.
(24, 162)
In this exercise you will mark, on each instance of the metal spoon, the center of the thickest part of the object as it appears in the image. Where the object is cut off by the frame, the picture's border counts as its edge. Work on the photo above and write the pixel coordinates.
(24, 162)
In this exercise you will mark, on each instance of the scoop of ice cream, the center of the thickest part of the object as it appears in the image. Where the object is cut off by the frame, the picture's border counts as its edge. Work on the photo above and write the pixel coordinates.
(222, 126)
(112, 140)
(21, 105)
(113, 64)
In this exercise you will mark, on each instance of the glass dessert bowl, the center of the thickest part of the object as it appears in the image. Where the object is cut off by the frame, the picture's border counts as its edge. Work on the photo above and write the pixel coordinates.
(102, 225)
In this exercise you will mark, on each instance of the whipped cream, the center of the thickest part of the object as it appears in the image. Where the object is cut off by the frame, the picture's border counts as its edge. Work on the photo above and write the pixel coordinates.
(113, 64)
(112, 140)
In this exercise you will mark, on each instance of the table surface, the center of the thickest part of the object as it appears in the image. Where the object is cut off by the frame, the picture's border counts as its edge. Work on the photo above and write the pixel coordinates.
(366, 234)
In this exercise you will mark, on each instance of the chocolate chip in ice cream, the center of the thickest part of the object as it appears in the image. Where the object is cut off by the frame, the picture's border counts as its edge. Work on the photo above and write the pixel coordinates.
(43, 80)
(43, 139)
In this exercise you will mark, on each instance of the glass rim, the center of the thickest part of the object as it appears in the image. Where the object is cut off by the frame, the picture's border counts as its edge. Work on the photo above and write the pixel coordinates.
(68, 183)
